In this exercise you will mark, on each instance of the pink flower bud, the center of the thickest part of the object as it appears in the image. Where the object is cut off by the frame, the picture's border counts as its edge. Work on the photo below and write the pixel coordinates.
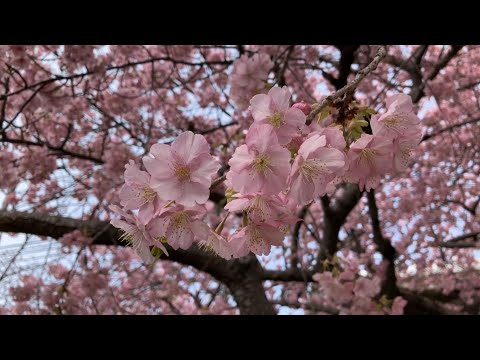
(306, 108)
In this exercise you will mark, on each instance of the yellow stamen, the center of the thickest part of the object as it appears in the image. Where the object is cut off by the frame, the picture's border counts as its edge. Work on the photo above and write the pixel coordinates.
(367, 156)
(255, 236)
(148, 194)
(162, 239)
(182, 173)
(261, 163)
(312, 169)
(276, 120)
(179, 220)
(259, 206)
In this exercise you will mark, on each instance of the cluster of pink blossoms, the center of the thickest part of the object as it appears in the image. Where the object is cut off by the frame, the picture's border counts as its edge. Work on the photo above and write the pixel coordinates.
(249, 78)
(283, 165)
(395, 135)
(354, 294)
(165, 203)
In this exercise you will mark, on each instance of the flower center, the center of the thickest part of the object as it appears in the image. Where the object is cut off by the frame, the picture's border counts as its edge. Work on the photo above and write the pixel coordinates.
(311, 169)
(148, 194)
(391, 122)
(276, 120)
(367, 156)
(259, 206)
(261, 163)
(182, 173)
(131, 239)
(255, 236)
(179, 220)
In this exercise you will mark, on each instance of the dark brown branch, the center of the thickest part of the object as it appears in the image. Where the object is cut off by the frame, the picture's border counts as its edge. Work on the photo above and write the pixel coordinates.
(57, 150)
(296, 236)
(382, 51)
(242, 276)
(457, 243)
(389, 287)
(344, 67)
(450, 128)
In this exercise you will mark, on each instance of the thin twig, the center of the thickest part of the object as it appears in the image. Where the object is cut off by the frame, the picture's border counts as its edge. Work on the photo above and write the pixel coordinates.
(349, 88)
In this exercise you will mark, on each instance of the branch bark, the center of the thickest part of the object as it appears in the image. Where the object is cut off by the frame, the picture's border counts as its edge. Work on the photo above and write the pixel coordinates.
(382, 51)
(242, 276)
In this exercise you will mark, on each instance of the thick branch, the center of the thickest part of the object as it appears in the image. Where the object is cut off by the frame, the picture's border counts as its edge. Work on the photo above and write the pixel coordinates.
(242, 276)
(389, 286)
(457, 243)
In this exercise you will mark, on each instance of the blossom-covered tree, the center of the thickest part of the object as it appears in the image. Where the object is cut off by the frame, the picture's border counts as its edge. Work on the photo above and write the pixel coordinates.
(240, 179)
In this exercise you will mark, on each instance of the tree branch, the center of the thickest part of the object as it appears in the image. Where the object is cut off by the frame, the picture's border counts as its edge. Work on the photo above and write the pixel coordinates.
(388, 252)
(382, 51)
(242, 276)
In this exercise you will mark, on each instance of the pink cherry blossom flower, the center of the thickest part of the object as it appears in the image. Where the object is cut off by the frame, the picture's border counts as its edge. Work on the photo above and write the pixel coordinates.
(255, 237)
(398, 306)
(306, 108)
(403, 148)
(179, 226)
(249, 78)
(136, 193)
(333, 135)
(369, 159)
(399, 120)
(259, 207)
(261, 165)
(314, 167)
(183, 171)
(136, 234)
(217, 244)
(274, 109)
(333, 290)
(366, 287)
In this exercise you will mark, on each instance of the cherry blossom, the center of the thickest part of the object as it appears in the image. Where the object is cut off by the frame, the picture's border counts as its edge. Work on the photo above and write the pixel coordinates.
(183, 171)
(274, 109)
(255, 237)
(179, 226)
(314, 167)
(261, 164)
(370, 158)
(113, 154)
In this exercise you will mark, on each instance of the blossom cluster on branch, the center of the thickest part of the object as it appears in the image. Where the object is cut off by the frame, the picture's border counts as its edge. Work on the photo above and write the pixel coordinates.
(284, 164)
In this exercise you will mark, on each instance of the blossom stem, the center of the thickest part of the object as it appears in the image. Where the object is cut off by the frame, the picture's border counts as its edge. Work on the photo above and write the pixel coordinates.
(220, 226)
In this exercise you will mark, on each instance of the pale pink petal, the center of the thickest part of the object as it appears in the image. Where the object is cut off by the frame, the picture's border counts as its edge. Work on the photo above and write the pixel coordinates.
(312, 144)
(295, 117)
(199, 229)
(146, 212)
(161, 151)
(260, 107)
(189, 145)
(133, 174)
(237, 204)
(179, 237)
(167, 189)
(207, 167)
(159, 169)
(241, 159)
(144, 253)
(280, 98)
(192, 192)
(261, 137)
